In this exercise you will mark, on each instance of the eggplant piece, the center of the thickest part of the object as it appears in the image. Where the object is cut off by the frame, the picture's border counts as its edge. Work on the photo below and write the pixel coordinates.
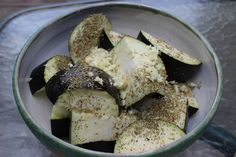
(95, 116)
(180, 66)
(101, 146)
(144, 136)
(88, 127)
(88, 100)
(124, 120)
(60, 121)
(169, 109)
(94, 126)
(109, 39)
(186, 91)
(135, 68)
(193, 106)
(43, 72)
(86, 36)
(78, 77)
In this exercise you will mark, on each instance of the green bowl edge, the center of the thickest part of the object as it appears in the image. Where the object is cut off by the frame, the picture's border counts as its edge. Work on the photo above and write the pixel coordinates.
(56, 144)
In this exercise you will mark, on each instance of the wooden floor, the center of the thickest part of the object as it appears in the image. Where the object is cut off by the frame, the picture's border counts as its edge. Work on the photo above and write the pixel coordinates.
(10, 6)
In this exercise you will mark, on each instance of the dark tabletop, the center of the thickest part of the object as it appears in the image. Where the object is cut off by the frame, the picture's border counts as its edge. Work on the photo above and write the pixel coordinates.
(216, 20)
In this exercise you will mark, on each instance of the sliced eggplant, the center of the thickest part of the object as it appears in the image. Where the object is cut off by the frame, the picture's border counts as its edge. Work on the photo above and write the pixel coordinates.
(135, 68)
(86, 36)
(186, 91)
(87, 101)
(144, 136)
(101, 146)
(42, 73)
(60, 121)
(109, 39)
(193, 106)
(124, 120)
(93, 115)
(91, 127)
(180, 66)
(88, 127)
(169, 109)
(79, 77)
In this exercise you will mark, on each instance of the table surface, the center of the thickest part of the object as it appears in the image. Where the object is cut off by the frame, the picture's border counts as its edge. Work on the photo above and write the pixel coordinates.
(215, 19)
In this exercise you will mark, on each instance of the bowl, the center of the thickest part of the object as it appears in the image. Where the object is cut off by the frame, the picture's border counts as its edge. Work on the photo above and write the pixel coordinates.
(128, 18)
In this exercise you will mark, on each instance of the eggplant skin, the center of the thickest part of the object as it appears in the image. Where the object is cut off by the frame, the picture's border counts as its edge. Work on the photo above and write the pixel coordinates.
(104, 41)
(191, 111)
(56, 86)
(101, 146)
(77, 77)
(60, 127)
(142, 38)
(176, 69)
(40, 75)
(86, 35)
(37, 78)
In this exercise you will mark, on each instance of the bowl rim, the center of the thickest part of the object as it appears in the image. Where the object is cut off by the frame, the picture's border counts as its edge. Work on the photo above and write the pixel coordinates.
(174, 147)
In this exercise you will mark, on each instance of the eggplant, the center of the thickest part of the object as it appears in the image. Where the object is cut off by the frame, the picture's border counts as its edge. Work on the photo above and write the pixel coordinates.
(143, 136)
(89, 127)
(101, 146)
(60, 121)
(193, 106)
(109, 39)
(135, 68)
(86, 36)
(186, 91)
(95, 116)
(169, 109)
(88, 100)
(80, 76)
(43, 72)
(180, 66)
(124, 120)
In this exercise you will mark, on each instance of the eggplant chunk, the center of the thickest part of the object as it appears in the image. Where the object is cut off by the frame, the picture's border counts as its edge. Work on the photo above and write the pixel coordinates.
(109, 39)
(95, 116)
(122, 122)
(88, 127)
(192, 106)
(86, 36)
(60, 121)
(43, 72)
(143, 136)
(79, 77)
(185, 90)
(101, 146)
(135, 68)
(180, 66)
(169, 109)
(88, 100)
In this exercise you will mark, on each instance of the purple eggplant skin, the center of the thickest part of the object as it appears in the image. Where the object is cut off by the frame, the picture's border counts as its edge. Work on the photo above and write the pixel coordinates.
(104, 41)
(77, 77)
(37, 80)
(60, 127)
(175, 69)
(192, 111)
(37, 76)
(101, 146)
(142, 38)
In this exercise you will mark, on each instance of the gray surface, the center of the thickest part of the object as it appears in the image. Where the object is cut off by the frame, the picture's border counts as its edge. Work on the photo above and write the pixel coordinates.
(215, 19)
